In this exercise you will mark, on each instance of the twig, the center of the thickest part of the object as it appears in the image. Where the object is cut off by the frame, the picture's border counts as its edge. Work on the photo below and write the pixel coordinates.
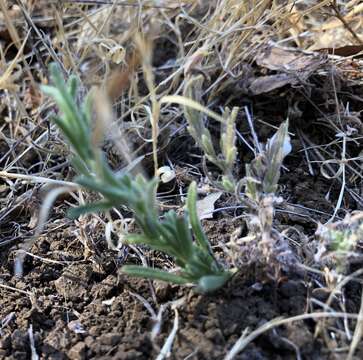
(16, 290)
(358, 332)
(165, 351)
(341, 18)
(38, 179)
(35, 356)
(243, 341)
(115, 2)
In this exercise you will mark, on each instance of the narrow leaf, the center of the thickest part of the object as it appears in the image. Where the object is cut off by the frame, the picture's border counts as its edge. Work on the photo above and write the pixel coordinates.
(212, 282)
(193, 216)
(74, 213)
(154, 274)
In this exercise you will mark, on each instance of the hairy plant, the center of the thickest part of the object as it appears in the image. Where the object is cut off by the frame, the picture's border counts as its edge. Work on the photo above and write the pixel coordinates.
(261, 185)
(338, 242)
(265, 245)
(181, 237)
(262, 176)
(225, 160)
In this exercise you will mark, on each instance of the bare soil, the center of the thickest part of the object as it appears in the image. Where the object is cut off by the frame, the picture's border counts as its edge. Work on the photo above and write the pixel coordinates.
(71, 320)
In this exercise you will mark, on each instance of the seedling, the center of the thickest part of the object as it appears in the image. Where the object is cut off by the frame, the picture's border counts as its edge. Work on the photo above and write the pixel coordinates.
(338, 241)
(181, 237)
(261, 185)
(225, 160)
(262, 174)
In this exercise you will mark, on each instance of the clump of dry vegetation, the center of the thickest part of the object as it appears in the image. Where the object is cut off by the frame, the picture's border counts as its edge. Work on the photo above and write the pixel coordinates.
(153, 148)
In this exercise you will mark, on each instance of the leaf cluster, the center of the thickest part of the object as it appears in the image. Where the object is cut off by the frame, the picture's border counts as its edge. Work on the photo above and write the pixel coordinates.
(263, 173)
(225, 159)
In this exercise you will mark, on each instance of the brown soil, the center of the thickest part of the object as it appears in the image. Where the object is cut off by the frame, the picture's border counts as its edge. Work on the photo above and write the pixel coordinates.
(84, 311)
(70, 320)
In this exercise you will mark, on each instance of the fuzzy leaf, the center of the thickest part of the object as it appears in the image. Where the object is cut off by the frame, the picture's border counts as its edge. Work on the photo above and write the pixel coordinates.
(154, 274)
(277, 148)
(200, 236)
(96, 207)
(212, 282)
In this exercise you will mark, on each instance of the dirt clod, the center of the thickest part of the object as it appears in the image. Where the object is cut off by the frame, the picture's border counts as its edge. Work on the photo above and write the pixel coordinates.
(78, 351)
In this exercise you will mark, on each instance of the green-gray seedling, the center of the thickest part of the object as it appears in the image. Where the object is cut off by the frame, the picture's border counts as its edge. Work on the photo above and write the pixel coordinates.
(265, 245)
(225, 160)
(263, 174)
(338, 242)
(181, 237)
(261, 184)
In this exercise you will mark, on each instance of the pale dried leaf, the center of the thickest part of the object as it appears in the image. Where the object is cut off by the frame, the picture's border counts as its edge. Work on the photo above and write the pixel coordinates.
(166, 174)
(205, 207)
(280, 59)
(264, 84)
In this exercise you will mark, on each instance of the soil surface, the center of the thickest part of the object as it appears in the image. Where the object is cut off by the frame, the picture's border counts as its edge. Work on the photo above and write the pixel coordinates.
(78, 309)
